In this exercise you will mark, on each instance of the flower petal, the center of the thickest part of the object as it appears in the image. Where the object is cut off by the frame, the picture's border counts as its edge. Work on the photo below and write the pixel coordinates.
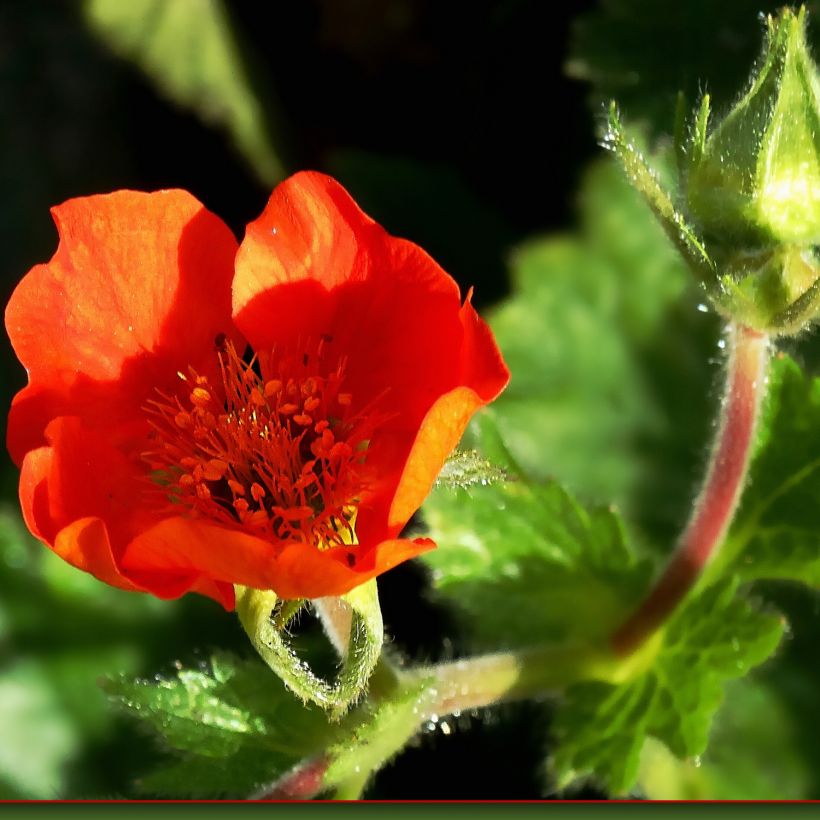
(439, 433)
(194, 548)
(85, 544)
(314, 265)
(51, 500)
(139, 285)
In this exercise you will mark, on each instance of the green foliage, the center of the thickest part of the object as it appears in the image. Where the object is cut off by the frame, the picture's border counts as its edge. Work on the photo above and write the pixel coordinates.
(753, 754)
(643, 53)
(235, 725)
(603, 339)
(189, 49)
(233, 729)
(776, 533)
(39, 736)
(60, 631)
(375, 734)
(515, 559)
(600, 729)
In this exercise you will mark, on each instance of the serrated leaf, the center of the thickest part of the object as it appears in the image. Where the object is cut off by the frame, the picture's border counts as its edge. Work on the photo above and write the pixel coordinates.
(221, 717)
(464, 468)
(516, 558)
(602, 339)
(642, 53)
(753, 754)
(776, 533)
(601, 728)
(189, 49)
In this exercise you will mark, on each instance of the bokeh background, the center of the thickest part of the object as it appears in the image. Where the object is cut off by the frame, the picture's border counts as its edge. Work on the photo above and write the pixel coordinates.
(471, 128)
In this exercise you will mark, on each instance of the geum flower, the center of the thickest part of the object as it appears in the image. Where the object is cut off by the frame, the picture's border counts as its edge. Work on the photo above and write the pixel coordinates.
(200, 415)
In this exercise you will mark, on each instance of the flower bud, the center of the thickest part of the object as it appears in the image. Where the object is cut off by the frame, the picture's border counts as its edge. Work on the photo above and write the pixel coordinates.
(756, 180)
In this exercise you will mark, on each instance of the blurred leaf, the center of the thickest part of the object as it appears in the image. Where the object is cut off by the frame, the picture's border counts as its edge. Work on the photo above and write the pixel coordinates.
(464, 468)
(776, 533)
(603, 342)
(516, 558)
(235, 723)
(641, 53)
(61, 630)
(600, 728)
(752, 754)
(190, 50)
(38, 738)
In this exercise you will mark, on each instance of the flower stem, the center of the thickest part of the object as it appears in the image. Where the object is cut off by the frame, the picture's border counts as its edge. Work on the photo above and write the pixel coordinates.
(485, 680)
(719, 497)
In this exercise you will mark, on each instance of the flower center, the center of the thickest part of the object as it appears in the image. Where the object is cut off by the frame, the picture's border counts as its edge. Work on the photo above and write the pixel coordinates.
(274, 446)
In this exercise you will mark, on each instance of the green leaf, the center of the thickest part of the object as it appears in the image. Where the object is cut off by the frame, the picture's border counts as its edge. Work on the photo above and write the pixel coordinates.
(776, 533)
(464, 468)
(515, 559)
(234, 723)
(642, 53)
(190, 50)
(600, 728)
(602, 339)
(753, 754)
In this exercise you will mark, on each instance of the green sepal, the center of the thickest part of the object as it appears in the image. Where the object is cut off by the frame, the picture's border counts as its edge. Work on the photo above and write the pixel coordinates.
(264, 618)
(645, 180)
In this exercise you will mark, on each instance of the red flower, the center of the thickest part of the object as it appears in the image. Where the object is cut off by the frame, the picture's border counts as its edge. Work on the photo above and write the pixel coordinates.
(158, 455)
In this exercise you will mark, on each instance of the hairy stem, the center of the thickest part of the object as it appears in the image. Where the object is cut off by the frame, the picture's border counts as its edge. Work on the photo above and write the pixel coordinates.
(485, 680)
(715, 506)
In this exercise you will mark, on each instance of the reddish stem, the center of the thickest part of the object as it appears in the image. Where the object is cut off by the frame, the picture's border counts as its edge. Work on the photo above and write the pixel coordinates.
(302, 782)
(718, 500)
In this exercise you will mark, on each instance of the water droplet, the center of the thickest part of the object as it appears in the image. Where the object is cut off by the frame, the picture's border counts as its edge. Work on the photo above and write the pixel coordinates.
(722, 344)
(703, 308)
(445, 728)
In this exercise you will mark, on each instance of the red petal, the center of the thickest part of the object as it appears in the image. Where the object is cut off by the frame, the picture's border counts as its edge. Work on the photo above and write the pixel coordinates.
(85, 545)
(314, 265)
(194, 549)
(139, 287)
(66, 492)
(439, 433)
(83, 474)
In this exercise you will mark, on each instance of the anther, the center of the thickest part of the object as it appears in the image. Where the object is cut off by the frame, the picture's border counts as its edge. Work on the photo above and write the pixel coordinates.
(200, 397)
